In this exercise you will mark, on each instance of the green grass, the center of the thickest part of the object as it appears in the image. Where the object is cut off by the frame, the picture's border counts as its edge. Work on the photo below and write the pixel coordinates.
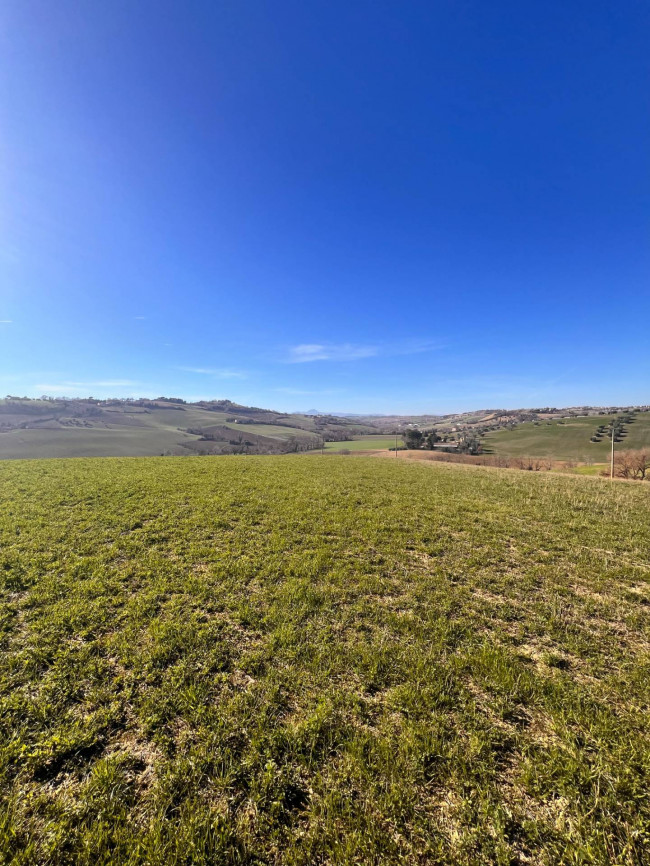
(567, 439)
(290, 661)
(127, 431)
(593, 469)
(364, 443)
(91, 442)
(274, 431)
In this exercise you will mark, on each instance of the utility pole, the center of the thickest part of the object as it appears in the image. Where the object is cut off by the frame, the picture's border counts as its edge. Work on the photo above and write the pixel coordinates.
(395, 444)
(611, 470)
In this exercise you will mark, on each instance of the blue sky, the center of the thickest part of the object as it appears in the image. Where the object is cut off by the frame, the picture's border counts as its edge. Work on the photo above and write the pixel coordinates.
(353, 206)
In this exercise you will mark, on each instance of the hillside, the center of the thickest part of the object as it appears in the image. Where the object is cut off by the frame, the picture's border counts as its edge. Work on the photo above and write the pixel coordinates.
(474, 420)
(321, 660)
(93, 428)
(567, 438)
(169, 426)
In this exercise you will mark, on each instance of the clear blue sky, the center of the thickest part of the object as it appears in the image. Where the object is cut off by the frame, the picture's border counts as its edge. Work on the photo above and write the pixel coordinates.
(354, 206)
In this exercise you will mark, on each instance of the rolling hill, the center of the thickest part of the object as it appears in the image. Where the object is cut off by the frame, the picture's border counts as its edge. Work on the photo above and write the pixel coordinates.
(567, 438)
(169, 426)
(114, 428)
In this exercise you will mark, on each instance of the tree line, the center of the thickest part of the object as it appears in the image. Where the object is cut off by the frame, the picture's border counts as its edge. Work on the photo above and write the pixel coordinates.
(414, 439)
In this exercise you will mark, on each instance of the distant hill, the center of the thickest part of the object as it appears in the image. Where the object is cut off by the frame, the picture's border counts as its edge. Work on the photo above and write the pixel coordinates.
(582, 438)
(102, 428)
(52, 427)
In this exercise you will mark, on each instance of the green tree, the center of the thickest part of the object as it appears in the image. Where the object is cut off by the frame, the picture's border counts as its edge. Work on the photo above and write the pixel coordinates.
(412, 438)
(431, 439)
(469, 443)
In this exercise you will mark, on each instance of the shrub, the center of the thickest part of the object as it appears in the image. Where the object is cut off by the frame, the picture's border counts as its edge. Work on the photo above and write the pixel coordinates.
(634, 465)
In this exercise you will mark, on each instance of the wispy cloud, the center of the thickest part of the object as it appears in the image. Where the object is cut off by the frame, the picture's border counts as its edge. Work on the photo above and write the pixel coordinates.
(6, 321)
(305, 352)
(50, 388)
(216, 372)
(140, 318)
(85, 387)
(105, 383)
(329, 352)
(413, 347)
(299, 392)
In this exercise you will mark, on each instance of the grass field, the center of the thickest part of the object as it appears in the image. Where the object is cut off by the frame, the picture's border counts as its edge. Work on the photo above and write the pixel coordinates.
(129, 430)
(364, 443)
(567, 439)
(92, 442)
(593, 469)
(148, 439)
(290, 661)
(275, 431)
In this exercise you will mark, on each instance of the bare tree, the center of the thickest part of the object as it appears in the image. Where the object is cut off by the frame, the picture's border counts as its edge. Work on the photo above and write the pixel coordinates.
(632, 464)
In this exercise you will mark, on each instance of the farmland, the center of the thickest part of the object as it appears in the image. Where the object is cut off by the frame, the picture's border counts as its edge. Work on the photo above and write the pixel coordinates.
(364, 443)
(122, 428)
(300, 660)
(566, 439)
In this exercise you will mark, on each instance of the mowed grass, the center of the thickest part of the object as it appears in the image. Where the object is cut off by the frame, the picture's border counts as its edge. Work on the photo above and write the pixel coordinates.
(365, 443)
(568, 439)
(279, 660)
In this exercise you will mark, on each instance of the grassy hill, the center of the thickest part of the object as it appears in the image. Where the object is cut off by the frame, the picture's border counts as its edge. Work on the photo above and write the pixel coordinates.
(364, 443)
(87, 428)
(566, 439)
(321, 660)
